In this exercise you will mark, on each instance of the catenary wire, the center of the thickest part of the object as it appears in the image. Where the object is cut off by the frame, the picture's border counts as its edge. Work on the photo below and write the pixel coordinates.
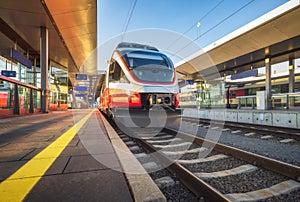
(191, 27)
(128, 18)
(216, 25)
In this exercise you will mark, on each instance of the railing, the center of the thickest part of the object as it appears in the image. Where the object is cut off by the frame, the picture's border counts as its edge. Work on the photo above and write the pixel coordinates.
(17, 97)
(247, 102)
(279, 101)
(286, 101)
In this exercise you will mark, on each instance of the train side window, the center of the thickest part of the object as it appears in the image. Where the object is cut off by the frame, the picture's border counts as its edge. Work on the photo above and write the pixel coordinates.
(111, 71)
(117, 72)
(233, 94)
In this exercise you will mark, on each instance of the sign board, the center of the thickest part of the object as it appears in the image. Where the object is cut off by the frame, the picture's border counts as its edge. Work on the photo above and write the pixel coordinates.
(190, 82)
(79, 95)
(246, 74)
(81, 88)
(8, 73)
(81, 77)
(20, 58)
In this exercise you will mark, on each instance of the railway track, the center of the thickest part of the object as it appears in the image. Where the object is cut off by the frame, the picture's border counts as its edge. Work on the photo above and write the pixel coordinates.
(284, 135)
(215, 171)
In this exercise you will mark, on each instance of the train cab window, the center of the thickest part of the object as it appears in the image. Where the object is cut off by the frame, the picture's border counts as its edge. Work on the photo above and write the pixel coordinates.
(149, 66)
(116, 73)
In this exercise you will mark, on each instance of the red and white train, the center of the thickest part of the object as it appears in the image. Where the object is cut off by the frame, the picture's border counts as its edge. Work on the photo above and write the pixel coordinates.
(139, 76)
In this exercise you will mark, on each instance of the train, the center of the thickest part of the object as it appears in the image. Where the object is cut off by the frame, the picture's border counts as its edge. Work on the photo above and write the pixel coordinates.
(279, 88)
(4, 99)
(138, 77)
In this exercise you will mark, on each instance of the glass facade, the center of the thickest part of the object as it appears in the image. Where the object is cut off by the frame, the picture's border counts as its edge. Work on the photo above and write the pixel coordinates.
(203, 95)
(6, 95)
(58, 97)
(27, 99)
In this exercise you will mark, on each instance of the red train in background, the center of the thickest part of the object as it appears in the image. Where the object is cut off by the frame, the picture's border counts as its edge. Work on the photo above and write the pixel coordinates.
(4, 99)
(139, 76)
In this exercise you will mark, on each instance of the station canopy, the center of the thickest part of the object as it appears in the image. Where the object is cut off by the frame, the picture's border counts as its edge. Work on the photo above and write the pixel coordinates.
(275, 34)
(72, 26)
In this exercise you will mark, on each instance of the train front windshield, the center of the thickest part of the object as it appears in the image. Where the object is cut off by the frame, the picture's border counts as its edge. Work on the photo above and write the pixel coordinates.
(150, 66)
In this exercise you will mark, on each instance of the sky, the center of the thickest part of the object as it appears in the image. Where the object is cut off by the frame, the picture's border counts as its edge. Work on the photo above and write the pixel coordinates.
(171, 25)
(180, 16)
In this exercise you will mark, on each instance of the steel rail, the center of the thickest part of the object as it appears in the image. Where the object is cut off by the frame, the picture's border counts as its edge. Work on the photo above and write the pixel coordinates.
(192, 182)
(283, 134)
(280, 167)
(196, 185)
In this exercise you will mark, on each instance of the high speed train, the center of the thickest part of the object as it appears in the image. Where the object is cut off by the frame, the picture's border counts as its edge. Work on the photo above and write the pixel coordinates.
(139, 76)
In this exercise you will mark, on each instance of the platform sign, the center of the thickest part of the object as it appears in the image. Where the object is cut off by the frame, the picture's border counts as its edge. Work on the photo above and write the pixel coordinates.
(190, 82)
(79, 95)
(14, 54)
(8, 73)
(81, 88)
(81, 77)
(246, 74)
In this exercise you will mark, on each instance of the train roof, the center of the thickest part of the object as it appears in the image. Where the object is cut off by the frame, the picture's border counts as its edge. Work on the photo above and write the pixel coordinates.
(137, 46)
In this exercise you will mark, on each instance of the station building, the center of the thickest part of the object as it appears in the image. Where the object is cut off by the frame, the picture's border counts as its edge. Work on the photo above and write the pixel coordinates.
(43, 45)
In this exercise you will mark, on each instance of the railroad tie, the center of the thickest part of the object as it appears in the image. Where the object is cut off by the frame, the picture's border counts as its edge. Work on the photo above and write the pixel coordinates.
(236, 131)
(287, 140)
(165, 141)
(266, 137)
(250, 134)
(156, 137)
(224, 173)
(275, 190)
(178, 154)
(183, 144)
(202, 160)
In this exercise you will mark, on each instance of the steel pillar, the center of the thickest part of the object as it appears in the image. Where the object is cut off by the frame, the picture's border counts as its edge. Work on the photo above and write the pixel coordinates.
(31, 105)
(44, 68)
(268, 83)
(16, 100)
(291, 75)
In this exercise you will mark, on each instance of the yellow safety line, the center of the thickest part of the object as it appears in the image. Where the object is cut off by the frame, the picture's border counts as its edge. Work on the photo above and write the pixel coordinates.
(19, 184)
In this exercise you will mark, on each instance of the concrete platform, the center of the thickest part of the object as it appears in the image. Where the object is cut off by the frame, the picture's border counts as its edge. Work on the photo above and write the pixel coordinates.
(65, 157)
(279, 118)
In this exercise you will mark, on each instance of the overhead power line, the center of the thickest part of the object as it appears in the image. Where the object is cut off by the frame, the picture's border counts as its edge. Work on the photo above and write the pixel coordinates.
(197, 23)
(216, 25)
(128, 18)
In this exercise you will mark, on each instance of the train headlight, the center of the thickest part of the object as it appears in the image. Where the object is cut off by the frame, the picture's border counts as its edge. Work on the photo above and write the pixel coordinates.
(135, 100)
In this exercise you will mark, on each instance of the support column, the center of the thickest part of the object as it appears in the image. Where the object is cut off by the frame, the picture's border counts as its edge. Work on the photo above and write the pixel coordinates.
(290, 99)
(16, 100)
(31, 105)
(34, 72)
(268, 83)
(291, 75)
(44, 68)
